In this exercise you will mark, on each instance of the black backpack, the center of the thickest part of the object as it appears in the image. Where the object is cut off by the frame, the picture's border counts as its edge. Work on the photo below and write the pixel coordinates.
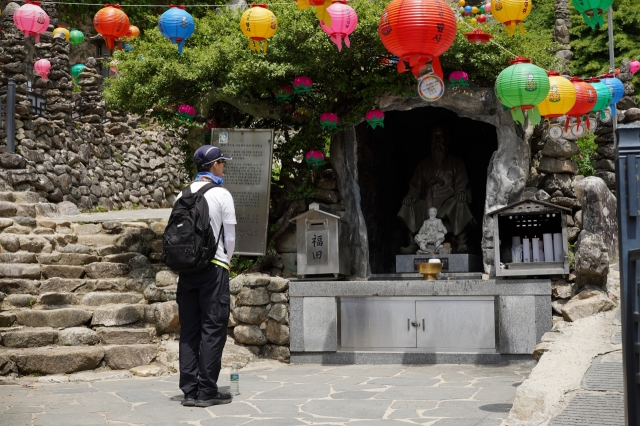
(188, 242)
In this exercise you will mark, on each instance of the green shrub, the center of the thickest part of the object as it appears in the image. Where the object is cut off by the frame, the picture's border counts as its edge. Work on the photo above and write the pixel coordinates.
(584, 160)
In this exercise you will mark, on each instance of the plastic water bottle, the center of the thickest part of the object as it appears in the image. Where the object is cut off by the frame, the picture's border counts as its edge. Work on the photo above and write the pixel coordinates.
(235, 380)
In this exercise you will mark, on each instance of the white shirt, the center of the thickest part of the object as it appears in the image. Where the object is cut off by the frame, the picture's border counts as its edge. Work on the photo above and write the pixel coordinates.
(222, 212)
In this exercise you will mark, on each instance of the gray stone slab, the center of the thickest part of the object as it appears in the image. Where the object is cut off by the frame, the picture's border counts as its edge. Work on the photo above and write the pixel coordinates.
(296, 324)
(544, 317)
(226, 421)
(451, 262)
(517, 324)
(320, 324)
(601, 409)
(346, 358)
(616, 337)
(468, 422)
(605, 374)
(540, 287)
(358, 409)
(69, 419)
(19, 419)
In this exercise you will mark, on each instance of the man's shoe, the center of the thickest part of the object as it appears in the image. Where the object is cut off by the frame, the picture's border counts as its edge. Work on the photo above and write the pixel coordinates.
(205, 400)
(190, 399)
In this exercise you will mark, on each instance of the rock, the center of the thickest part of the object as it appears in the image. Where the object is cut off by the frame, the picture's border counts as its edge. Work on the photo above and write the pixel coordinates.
(553, 165)
(10, 242)
(280, 353)
(125, 336)
(77, 259)
(326, 196)
(9, 160)
(164, 294)
(571, 203)
(287, 243)
(29, 338)
(66, 317)
(253, 297)
(7, 319)
(540, 349)
(21, 300)
(609, 178)
(78, 336)
(118, 315)
(128, 356)
(559, 182)
(256, 280)
(249, 335)
(166, 318)
(591, 260)
(61, 285)
(235, 285)
(577, 218)
(166, 278)
(599, 212)
(278, 285)
(58, 299)
(632, 114)
(250, 314)
(279, 298)
(7, 209)
(542, 195)
(107, 270)
(101, 298)
(572, 233)
(562, 289)
(120, 257)
(607, 151)
(62, 271)
(18, 286)
(560, 148)
(627, 102)
(277, 333)
(605, 164)
(151, 370)
(585, 303)
(57, 360)
(280, 313)
(19, 270)
(557, 305)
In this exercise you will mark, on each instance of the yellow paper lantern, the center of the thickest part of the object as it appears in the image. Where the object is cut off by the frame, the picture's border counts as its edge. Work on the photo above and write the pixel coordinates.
(259, 24)
(62, 30)
(561, 98)
(474, 10)
(511, 13)
(461, 3)
(473, 21)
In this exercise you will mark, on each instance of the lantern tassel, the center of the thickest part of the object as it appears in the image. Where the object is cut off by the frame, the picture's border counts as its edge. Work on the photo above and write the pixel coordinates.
(347, 42)
(534, 116)
(264, 49)
(437, 68)
(303, 4)
(588, 122)
(613, 110)
(180, 46)
(517, 115)
(567, 123)
(511, 28)
(521, 28)
(401, 66)
(603, 116)
(338, 41)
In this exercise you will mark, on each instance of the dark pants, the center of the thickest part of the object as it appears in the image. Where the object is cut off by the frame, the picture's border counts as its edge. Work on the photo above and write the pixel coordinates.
(203, 304)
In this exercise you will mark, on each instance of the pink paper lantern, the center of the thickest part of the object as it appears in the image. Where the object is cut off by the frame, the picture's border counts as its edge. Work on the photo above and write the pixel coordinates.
(329, 120)
(42, 67)
(459, 78)
(187, 112)
(314, 159)
(302, 84)
(375, 118)
(635, 66)
(343, 22)
(31, 19)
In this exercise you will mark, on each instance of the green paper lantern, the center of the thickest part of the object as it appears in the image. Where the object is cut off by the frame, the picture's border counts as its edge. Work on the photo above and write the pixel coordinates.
(605, 96)
(76, 70)
(76, 37)
(521, 87)
(593, 11)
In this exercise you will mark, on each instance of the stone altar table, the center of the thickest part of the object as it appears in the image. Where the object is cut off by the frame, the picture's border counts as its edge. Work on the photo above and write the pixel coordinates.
(418, 322)
(450, 262)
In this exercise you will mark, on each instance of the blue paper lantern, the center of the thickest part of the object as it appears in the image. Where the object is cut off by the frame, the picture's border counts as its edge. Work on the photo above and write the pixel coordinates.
(617, 89)
(177, 25)
(127, 47)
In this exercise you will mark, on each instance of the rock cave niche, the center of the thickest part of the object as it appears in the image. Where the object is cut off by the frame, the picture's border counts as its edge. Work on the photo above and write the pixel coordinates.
(387, 158)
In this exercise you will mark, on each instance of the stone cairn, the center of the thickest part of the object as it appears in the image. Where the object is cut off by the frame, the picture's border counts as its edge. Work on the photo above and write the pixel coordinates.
(561, 33)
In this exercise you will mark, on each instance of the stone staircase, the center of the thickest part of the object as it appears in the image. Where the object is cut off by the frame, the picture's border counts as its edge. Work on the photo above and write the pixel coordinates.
(80, 296)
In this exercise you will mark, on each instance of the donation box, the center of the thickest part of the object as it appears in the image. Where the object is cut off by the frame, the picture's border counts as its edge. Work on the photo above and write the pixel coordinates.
(323, 243)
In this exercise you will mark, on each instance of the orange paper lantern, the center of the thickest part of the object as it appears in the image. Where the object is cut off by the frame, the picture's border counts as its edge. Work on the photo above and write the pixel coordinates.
(586, 98)
(133, 31)
(418, 32)
(111, 23)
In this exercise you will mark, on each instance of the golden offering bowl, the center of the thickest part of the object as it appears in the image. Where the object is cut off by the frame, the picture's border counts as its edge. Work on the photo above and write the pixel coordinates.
(430, 270)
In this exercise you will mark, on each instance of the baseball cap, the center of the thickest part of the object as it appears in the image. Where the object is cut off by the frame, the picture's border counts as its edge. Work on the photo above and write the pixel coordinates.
(207, 154)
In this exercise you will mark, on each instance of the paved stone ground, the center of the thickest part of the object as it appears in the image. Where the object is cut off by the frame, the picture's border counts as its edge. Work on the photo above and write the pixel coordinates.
(599, 402)
(430, 395)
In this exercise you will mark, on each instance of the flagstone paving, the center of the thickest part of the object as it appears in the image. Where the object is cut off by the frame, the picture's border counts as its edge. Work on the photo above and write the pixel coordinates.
(433, 395)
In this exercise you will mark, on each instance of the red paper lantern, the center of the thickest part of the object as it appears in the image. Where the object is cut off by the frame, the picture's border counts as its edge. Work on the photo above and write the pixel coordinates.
(31, 19)
(418, 32)
(586, 98)
(111, 23)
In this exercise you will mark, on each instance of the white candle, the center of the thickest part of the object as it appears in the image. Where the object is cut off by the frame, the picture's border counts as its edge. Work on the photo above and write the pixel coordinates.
(541, 253)
(535, 248)
(516, 257)
(558, 253)
(548, 247)
(526, 250)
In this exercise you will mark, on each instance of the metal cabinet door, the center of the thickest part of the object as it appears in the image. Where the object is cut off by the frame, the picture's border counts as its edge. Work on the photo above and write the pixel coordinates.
(466, 324)
(373, 322)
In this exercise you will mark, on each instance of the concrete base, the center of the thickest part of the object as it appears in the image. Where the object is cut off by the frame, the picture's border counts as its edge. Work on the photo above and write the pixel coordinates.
(450, 262)
(348, 358)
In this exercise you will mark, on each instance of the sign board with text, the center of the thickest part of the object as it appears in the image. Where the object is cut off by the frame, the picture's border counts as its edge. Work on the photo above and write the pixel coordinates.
(248, 178)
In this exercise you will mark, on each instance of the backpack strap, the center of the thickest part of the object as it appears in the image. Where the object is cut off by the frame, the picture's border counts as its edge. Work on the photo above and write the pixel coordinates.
(202, 190)
(207, 187)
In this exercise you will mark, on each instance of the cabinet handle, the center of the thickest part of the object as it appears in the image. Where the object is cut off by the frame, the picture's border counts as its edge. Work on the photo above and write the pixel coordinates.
(408, 324)
(422, 324)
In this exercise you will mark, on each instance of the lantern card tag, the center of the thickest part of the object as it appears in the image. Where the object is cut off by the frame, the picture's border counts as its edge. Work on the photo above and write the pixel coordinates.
(577, 130)
(555, 132)
(593, 123)
(430, 88)
(607, 116)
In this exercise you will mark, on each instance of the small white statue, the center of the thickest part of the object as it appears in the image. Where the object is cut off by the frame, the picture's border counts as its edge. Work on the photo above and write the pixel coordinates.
(431, 234)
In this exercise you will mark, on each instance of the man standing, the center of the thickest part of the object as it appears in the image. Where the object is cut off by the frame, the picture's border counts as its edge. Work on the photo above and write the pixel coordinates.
(203, 296)
(439, 181)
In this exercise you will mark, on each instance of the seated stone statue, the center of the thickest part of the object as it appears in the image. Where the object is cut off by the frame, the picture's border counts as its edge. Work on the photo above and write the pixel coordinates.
(439, 181)
(431, 235)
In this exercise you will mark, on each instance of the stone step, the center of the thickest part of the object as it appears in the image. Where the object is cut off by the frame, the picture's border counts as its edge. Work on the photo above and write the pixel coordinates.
(99, 240)
(125, 336)
(65, 317)
(53, 360)
(20, 270)
(124, 357)
(27, 337)
(55, 300)
(105, 298)
(117, 315)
